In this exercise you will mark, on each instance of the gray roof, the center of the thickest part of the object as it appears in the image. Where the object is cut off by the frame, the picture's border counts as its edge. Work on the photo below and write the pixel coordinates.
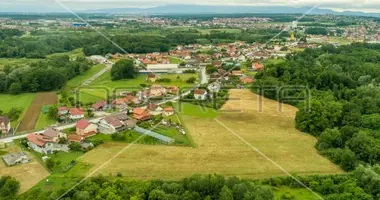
(4, 119)
(13, 158)
(51, 132)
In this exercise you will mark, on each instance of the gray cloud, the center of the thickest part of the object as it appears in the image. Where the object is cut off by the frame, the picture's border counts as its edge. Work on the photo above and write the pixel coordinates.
(51, 5)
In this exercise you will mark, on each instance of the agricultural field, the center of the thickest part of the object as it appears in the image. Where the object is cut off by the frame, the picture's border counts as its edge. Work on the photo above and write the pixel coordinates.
(28, 174)
(270, 131)
(31, 116)
(44, 121)
(22, 101)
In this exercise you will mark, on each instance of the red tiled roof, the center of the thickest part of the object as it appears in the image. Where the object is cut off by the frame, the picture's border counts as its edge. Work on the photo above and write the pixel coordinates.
(199, 91)
(62, 108)
(257, 66)
(169, 109)
(82, 124)
(234, 72)
(99, 104)
(89, 134)
(151, 76)
(76, 111)
(36, 139)
(75, 138)
(138, 111)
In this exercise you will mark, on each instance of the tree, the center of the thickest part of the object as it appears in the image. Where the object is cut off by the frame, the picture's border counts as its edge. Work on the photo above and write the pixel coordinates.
(226, 194)
(15, 88)
(330, 138)
(8, 187)
(53, 112)
(75, 146)
(50, 163)
(191, 80)
(123, 69)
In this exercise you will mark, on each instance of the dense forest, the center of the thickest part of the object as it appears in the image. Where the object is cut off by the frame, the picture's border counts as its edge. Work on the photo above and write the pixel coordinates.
(361, 184)
(344, 109)
(46, 75)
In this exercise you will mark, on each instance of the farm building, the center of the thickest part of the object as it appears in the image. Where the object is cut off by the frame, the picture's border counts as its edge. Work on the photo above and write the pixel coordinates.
(162, 69)
(5, 124)
(16, 158)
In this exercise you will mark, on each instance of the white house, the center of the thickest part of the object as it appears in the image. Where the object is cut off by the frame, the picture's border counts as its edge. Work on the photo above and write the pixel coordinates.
(5, 124)
(116, 123)
(41, 144)
(200, 94)
(76, 113)
(168, 111)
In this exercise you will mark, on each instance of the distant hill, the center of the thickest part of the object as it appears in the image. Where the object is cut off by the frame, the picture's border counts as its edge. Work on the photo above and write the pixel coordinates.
(205, 9)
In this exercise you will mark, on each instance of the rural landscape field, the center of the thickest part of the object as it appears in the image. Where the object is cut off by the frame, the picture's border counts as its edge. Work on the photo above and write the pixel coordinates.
(218, 151)
(212, 100)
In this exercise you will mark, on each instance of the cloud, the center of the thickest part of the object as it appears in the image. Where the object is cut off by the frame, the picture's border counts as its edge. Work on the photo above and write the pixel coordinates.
(340, 5)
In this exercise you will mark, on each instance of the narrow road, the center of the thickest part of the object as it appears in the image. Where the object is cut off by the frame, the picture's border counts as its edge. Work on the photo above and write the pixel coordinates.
(97, 75)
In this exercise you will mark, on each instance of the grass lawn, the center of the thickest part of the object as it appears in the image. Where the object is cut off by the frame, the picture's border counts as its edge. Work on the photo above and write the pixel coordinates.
(270, 131)
(78, 80)
(22, 101)
(296, 193)
(174, 60)
(72, 54)
(173, 133)
(194, 110)
(44, 121)
(273, 61)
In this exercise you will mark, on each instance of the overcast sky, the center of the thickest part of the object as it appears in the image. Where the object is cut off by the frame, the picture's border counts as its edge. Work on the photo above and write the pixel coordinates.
(52, 5)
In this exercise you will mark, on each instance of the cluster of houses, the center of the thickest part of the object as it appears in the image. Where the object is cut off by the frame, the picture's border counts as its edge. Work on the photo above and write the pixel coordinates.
(5, 125)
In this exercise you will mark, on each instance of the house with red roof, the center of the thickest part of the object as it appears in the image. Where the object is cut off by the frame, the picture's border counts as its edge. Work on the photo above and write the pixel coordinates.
(47, 142)
(172, 89)
(63, 110)
(141, 114)
(75, 138)
(76, 113)
(237, 73)
(116, 123)
(85, 128)
(168, 111)
(257, 66)
(152, 77)
(200, 94)
(247, 80)
(100, 105)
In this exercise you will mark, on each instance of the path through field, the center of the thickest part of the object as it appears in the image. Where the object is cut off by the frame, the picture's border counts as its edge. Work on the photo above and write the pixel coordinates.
(31, 116)
(218, 151)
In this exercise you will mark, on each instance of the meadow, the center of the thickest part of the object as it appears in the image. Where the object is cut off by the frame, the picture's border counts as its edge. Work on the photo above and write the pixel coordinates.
(22, 101)
(219, 151)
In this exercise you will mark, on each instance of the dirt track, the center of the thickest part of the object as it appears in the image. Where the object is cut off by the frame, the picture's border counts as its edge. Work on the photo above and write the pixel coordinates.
(31, 116)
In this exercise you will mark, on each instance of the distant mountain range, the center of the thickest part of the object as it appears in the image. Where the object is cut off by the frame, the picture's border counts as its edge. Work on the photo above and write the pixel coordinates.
(205, 9)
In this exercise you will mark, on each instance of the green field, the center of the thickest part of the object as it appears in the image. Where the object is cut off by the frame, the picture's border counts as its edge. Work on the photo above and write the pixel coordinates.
(44, 121)
(174, 60)
(22, 101)
(78, 80)
(195, 110)
(294, 194)
(72, 54)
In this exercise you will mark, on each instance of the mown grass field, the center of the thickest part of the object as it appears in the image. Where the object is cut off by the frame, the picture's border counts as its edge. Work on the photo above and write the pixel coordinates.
(78, 80)
(22, 101)
(44, 121)
(219, 151)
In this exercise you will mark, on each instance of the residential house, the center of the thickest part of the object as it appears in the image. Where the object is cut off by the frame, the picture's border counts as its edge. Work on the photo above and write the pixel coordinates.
(172, 89)
(154, 109)
(141, 114)
(16, 158)
(157, 91)
(63, 111)
(52, 134)
(85, 128)
(76, 113)
(75, 138)
(45, 144)
(5, 124)
(257, 66)
(100, 105)
(237, 73)
(200, 94)
(168, 111)
(151, 78)
(116, 123)
(246, 80)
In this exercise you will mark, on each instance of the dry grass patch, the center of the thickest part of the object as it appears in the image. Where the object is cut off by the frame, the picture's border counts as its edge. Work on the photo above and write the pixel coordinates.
(218, 151)
(28, 174)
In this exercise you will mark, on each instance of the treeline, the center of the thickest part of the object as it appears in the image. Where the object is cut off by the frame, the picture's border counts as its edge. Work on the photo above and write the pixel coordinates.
(193, 188)
(344, 107)
(361, 184)
(49, 74)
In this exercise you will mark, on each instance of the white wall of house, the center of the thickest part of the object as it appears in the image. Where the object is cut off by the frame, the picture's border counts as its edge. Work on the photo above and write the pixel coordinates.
(75, 117)
(201, 96)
